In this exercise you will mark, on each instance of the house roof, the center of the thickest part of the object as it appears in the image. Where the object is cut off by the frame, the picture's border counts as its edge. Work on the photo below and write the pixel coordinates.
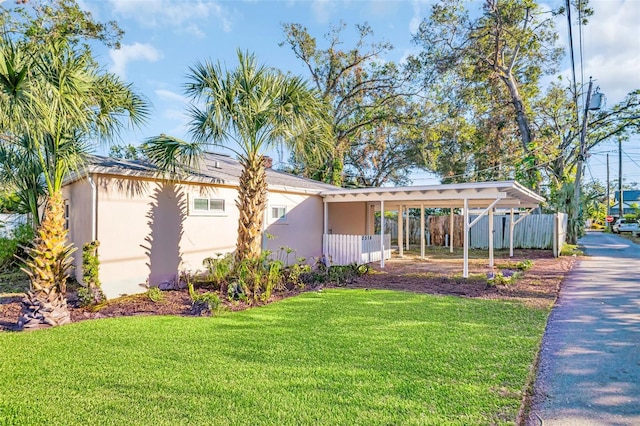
(509, 194)
(629, 195)
(215, 168)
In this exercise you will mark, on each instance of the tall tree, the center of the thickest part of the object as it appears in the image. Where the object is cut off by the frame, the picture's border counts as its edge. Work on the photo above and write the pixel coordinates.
(248, 109)
(362, 90)
(510, 41)
(53, 93)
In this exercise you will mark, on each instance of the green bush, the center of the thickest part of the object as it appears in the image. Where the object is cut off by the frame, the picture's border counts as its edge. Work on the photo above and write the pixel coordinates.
(202, 303)
(90, 292)
(155, 294)
(12, 247)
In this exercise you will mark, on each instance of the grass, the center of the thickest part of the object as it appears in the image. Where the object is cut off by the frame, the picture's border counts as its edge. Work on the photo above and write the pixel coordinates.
(330, 357)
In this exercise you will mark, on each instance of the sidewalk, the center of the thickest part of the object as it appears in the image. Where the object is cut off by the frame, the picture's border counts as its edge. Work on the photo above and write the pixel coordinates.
(589, 372)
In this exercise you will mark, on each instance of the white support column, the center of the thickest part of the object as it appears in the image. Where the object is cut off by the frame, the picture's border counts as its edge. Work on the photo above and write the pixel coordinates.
(382, 234)
(422, 242)
(366, 218)
(400, 233)
(451, 231)
(465, 240)
(512, 225)
(406, 229)
(326, 218)
(491, 237)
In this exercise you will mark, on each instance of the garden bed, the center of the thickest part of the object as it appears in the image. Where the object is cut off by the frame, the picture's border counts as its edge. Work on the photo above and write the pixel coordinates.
(439, 273)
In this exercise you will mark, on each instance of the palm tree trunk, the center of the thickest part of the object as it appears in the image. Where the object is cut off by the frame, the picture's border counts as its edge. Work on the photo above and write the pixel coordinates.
(251, 203)
(47, 266)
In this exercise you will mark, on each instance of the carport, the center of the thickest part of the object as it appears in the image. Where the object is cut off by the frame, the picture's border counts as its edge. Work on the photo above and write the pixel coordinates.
(484, 196)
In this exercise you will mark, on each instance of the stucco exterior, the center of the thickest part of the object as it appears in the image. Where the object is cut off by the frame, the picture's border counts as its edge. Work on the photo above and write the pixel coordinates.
(348, 218)
(149, 230)
(301, 230)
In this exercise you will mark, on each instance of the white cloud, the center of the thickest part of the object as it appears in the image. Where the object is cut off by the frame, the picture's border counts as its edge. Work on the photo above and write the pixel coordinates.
(178, 14)
(612, 47)
(416, 19)
(322, 10)
(171, 96)
(132, 52)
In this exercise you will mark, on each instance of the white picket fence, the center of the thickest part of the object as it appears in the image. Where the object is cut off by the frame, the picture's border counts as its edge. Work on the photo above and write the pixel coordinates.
(347, 249)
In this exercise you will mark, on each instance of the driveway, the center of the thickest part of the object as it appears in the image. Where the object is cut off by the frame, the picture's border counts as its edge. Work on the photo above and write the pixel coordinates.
(589, 371)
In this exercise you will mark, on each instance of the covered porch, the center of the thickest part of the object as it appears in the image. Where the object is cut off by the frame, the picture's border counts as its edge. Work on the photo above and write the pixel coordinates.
(351, 212)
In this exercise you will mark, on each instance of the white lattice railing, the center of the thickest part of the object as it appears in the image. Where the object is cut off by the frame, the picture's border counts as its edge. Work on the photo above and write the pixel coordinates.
(346, 249)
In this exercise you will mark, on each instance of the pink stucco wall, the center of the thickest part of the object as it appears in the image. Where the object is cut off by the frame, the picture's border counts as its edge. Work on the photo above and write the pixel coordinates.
(302, 228)
(148, 230)
(348, 218)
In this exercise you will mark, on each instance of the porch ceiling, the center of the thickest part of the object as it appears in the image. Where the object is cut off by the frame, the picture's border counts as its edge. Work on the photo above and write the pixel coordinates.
(510, 194)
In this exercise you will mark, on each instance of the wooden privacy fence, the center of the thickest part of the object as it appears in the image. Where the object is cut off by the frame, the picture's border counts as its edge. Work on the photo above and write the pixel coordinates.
(346, 249)
(533, 231)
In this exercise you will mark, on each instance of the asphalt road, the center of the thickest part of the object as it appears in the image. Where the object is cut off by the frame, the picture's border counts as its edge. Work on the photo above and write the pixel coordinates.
(589, 371)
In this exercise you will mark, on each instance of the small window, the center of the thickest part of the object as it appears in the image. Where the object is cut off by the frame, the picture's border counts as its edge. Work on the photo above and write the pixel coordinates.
(66, 214)
(279, 213)
(207, 206)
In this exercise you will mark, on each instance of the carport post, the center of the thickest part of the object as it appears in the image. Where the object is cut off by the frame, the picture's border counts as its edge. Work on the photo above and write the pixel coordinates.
(511, 227)
(422, 230)
(491, 237)
(451, 231)
(381, 233)
(400, 233)
(325, 228)
(406, 229)
(465, 240)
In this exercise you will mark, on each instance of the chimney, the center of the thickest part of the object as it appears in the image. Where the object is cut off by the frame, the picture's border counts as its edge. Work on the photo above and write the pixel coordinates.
(267, 162)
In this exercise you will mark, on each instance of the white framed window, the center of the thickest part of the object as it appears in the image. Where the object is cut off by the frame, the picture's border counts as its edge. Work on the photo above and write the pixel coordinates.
(200, 206)
(279, 213)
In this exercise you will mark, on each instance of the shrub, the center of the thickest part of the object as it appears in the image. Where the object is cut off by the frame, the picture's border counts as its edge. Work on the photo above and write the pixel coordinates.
(12, 249)
(219, 267)
(90, 293)
(203, 303)
(155, 294)
(504, 277)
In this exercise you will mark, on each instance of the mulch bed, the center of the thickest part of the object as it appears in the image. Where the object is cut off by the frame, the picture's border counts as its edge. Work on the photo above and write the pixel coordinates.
(538, 287)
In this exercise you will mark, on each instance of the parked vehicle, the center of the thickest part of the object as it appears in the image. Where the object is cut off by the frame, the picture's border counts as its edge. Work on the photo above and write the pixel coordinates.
(625, 225)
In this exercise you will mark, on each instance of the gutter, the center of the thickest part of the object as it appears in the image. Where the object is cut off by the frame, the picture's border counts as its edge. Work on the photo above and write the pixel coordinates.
(94, 201)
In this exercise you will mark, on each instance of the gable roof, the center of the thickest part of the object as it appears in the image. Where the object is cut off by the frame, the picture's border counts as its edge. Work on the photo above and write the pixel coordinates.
(217, 169)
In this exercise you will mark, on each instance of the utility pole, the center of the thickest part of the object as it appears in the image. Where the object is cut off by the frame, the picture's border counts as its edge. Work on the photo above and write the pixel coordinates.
(581, 157)
(621, 199)
(608, 195)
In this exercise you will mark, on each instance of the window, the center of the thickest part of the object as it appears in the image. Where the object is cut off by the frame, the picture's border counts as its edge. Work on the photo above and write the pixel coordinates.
(66, 214)
(279, 213)
(207, 206)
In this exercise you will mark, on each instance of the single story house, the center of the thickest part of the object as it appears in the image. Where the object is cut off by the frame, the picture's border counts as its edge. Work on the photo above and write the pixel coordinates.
(150, 227)
(630, 202)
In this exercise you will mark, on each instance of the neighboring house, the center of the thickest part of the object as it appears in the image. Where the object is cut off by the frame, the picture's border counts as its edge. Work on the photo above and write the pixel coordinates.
(149, 228)
(630, 199)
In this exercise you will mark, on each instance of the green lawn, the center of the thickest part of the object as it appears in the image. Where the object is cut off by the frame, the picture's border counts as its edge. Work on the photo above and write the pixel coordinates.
(332, 357)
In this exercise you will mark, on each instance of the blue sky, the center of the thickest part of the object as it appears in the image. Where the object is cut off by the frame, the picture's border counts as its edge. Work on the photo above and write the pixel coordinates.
(164, 38)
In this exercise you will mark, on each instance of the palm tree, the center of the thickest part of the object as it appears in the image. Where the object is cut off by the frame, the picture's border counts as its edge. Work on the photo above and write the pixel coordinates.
(248, 109)
(53, 95)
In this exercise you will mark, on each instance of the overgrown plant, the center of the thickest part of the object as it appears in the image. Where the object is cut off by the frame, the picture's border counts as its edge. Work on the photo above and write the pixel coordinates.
(90, 292)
